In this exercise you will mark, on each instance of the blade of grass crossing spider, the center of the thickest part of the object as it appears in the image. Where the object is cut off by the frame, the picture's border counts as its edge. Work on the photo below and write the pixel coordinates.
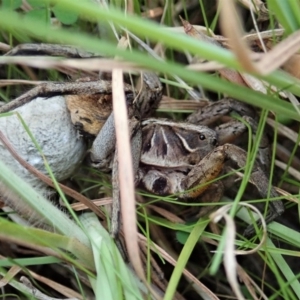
(10, 20)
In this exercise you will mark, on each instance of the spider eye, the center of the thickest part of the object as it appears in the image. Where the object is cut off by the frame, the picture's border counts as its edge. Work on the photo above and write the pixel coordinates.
(202, 137)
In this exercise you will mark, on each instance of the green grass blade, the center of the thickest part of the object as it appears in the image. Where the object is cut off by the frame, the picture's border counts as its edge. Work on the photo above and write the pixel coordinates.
(33, 237)
(55, 217)
(287, 13)
(110, 266)
(184, 257)
(286, 271)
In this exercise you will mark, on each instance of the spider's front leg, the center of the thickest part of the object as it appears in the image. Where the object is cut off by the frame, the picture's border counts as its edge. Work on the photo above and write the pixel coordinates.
(230, 131)
(210, 167)
(260, 180)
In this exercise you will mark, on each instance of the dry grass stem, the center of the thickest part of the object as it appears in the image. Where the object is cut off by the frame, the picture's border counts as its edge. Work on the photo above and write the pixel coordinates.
(250, 284)
(67, 292)
(11, 273)
(231, 26)
(89, 64)
(98, 202)
(295, 173)
(6, 82)
(283, 130)
(169, 104)
(166, 214)
(126, 177)
(4, 47)
(287, 195)
(264, 35)
(203, 289)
